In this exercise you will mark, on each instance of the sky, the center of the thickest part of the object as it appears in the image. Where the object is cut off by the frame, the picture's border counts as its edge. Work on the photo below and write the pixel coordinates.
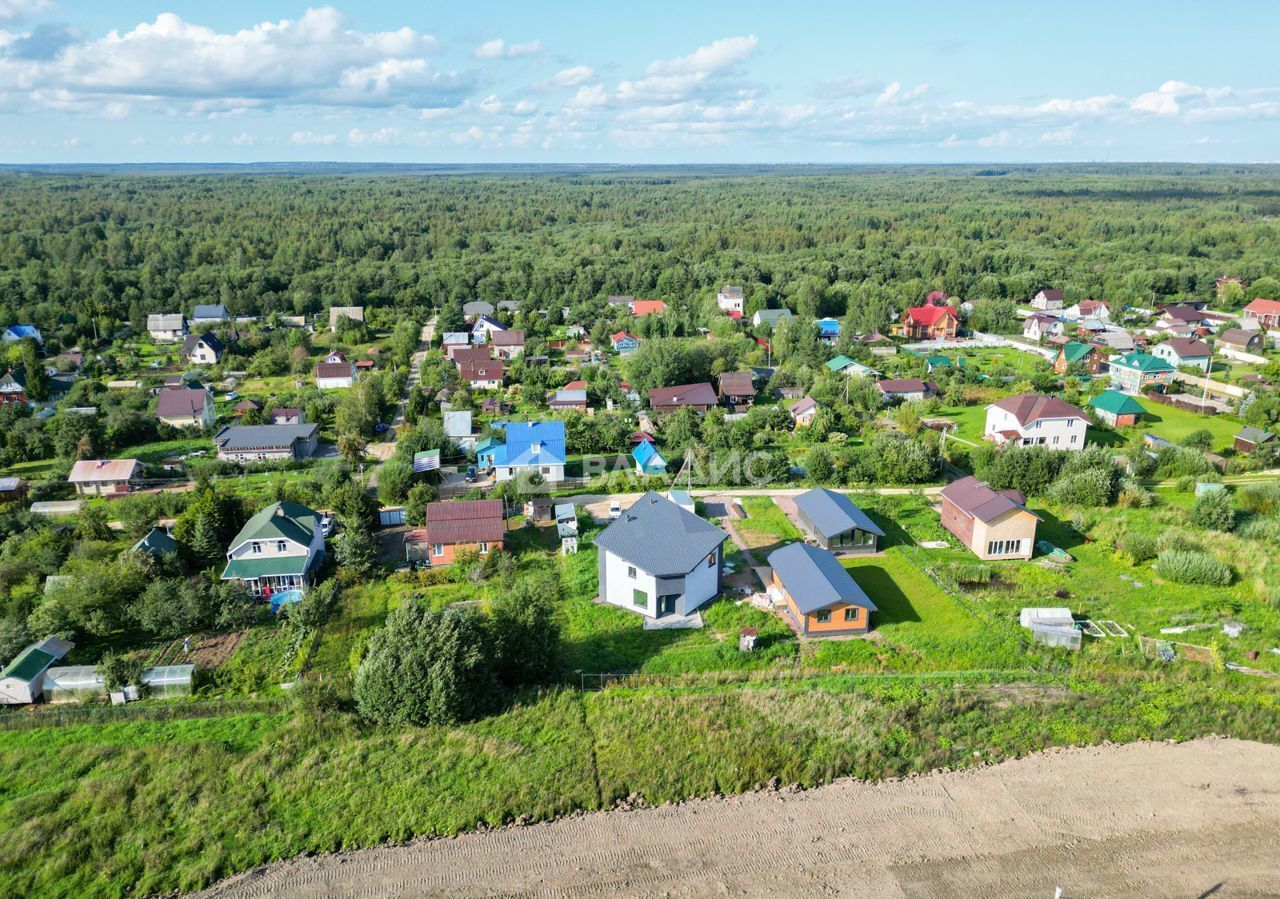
(699, 81)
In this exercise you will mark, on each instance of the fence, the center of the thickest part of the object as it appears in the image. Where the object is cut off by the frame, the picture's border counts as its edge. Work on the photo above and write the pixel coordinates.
(33, 717)
(1186, 405)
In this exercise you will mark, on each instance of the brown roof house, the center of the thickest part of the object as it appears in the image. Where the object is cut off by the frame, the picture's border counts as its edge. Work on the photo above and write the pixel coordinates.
(1031, 419)
(804, 411)
(105, 477)
(992, 524)
(738, 389)
(698, 397)
(454, 526)
(507, 344)
(185, 407)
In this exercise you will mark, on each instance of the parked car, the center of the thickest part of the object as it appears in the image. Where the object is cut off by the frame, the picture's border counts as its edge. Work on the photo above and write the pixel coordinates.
(473, 474)
(326, 526)
(615, 509)
(233, 396)
(381, 428)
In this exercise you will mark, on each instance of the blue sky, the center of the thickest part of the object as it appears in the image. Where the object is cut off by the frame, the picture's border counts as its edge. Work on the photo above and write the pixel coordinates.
(657, 82)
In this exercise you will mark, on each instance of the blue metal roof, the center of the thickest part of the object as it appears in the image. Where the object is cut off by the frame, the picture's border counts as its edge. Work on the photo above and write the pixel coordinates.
(21, 331)
(532, 443)
(648, 457)
(829, 327)
(815, 579)
(834, 513)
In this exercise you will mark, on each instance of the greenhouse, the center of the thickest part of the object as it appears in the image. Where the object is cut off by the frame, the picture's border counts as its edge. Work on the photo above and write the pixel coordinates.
(81, 683)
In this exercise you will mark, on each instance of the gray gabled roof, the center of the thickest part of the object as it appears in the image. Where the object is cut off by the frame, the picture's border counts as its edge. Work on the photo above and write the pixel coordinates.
(834, 513)
(660, 538)
(815, 579)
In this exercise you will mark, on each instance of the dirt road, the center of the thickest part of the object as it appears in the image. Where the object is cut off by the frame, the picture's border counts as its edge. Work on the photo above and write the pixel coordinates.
(1146, 820)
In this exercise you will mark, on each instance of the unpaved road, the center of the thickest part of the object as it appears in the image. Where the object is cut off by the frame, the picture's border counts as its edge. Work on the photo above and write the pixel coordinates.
(1187, 820)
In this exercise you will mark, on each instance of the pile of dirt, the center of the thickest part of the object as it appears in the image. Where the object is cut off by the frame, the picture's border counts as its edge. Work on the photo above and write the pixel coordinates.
(1143, 819)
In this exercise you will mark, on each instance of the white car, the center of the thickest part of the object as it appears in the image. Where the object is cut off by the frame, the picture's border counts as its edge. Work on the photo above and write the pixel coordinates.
(326, 526)
(615, 509)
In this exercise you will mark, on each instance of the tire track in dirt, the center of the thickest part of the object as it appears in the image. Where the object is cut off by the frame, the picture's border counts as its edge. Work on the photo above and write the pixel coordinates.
(1142, 819)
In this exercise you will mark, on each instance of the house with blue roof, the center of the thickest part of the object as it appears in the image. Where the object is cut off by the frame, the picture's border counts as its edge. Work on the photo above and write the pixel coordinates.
(531, 447)
(15, 333)
(816, 595)
(828, 330)
(648, 460)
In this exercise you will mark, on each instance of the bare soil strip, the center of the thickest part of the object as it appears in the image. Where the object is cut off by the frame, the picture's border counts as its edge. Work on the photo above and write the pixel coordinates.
(1195, 819)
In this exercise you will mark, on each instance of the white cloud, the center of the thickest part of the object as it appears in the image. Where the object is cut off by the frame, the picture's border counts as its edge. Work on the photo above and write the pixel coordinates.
(1059, 137)
(316, 59)
(677, 79)
(381, 137)
(895, 94)
(310, 138)
(999, 139)
(500, 49)
(243, 139)
(570, 77)
(592, 97)
(18, 10)
(491, 105)
(525, 107)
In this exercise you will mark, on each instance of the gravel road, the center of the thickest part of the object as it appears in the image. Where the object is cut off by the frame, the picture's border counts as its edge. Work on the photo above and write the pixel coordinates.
(1163, 820)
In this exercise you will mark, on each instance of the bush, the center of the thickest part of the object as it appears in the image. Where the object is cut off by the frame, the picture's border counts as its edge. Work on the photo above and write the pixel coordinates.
(1176, 540)
(1133, 495)
(1139, 548)
(1093, 487)
(426, 667)
(1259, 499)
(1261, 529)
(1212, 511)
(1179, 461)
(118, 672)
(1198, 440)
(526, 636)
(1186, 567)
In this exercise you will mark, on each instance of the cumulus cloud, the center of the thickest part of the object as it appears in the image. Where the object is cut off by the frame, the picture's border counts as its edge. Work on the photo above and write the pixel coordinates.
(381, 137)
(491, 105)
(570, 77)
(525, 107)
(679, 78)
(500, 49)
(310, 138)
(316, 59)
(894, 93)
(592, 97)
(243, 139)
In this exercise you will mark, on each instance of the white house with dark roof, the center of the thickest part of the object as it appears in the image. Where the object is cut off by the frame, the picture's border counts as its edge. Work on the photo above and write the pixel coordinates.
(167, 327)
(1188, 351)
(731, 299)
(1047, 299)
(203, 349)
(658, 559)
(1030, 419)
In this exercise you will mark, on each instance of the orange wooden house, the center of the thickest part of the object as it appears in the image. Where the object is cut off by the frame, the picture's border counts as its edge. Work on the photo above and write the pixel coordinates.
(451, 527)
(817, 595)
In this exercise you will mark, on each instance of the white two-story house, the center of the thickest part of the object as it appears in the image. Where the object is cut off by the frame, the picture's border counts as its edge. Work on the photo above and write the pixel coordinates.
(279, 549)
(659, 559)
(1034, 420)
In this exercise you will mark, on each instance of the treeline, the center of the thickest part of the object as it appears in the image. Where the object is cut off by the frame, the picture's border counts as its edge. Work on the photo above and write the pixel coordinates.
(78, 249)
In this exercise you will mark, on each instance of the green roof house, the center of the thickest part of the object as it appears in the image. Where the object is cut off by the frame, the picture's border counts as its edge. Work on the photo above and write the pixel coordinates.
(1117, 409)
(1132, 372)
(851, 368)
(279, 549)
(22, 680)
(157, 542)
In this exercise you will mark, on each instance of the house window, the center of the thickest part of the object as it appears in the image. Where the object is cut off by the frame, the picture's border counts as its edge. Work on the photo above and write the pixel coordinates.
(822, 616)
(484, 548)
(851, 614)
(711, 560)
(281, 546)
(437, 549)
(257, 548)
(640, 599)
(631, 571)
(1055, 440)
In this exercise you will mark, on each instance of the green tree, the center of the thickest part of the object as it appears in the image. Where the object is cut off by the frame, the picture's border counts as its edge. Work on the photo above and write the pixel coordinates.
(1212, 511)
(526, 635)
(425, 667)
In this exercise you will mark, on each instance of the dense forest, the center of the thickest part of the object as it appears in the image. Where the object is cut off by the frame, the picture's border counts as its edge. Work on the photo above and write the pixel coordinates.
(85, 249)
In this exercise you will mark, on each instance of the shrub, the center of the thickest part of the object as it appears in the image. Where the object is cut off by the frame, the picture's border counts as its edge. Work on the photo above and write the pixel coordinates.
(1261, 529)
(1198, 440)
(1212, 510)
(1133, 495)
(1187, 567)
(1176, 540)
(118, 672)
(526, 636)
(1180, 461)
(1092, 487)
(1260, 499)
(425, 667)
(1139, 548)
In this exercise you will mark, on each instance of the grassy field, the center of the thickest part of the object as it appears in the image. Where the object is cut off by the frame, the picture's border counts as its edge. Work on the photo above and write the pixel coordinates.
(143, 808)
(766, 525)
(1175, 424)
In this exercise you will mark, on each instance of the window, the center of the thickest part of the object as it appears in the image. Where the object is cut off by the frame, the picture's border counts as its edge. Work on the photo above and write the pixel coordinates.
(640, 599)
(851, 613)
(257, 548)
(1073, 438)
(546, 470)
(822, 616)
(1055, 440)
(711, 560)
(484, 548)
(281, 546)
(437, 549)
(631, 571)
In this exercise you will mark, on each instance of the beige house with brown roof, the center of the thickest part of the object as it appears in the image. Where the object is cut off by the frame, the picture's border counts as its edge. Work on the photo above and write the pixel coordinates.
(994, 525)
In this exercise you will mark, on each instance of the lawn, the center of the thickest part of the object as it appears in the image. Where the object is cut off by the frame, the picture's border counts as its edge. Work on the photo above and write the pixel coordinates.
(766, 525)
(970, 421)
(1175, 424)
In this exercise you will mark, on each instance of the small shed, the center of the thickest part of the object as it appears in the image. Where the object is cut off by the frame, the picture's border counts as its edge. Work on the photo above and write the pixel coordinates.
(22, 680)
(390, 516)
(1248, 439)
